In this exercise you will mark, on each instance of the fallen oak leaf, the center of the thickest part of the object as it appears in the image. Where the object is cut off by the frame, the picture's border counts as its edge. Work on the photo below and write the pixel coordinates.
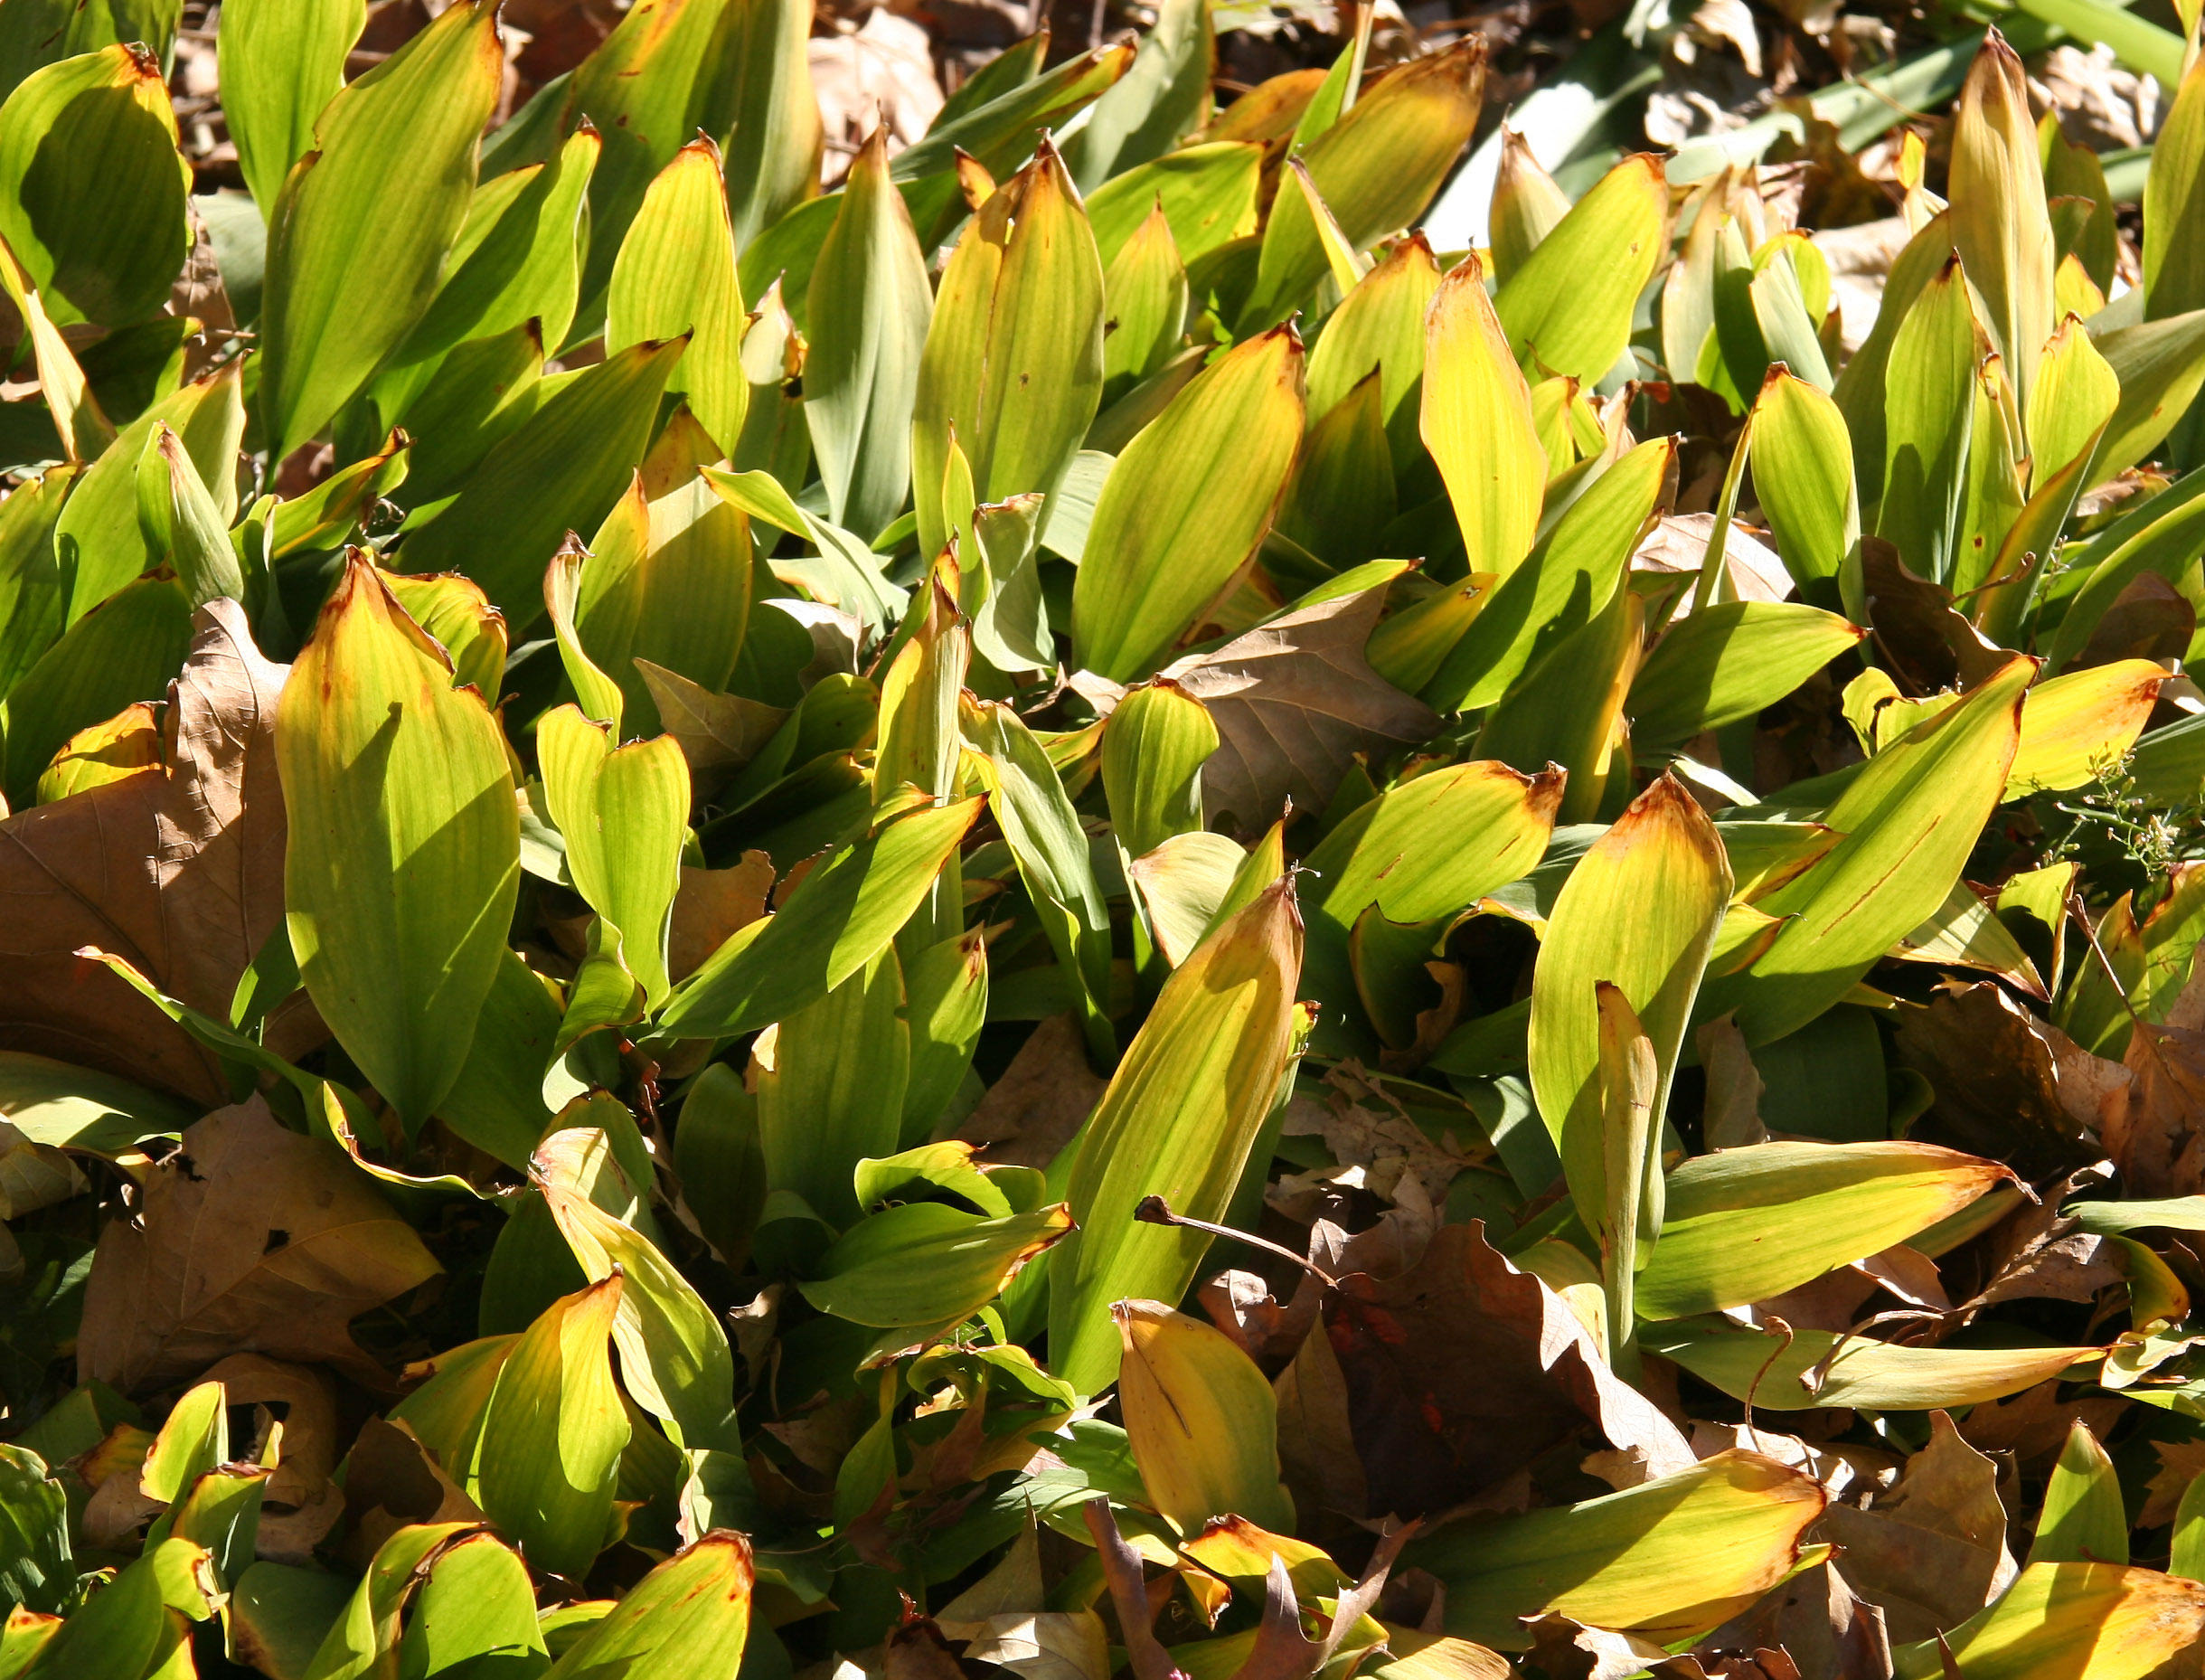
(252, 1239)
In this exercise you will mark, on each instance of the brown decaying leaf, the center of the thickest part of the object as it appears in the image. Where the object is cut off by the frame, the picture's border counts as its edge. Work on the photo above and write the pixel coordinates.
(2007, 1084)
(1932, 1551)
(181, 874)
(1043, 1096)
(1464, 1369)
(2154, 1126)
(252, 1239)
(718, 733)
(300, 1503)
(390, 1482)
(1294, 701)
(713, 905)
(1933, 645)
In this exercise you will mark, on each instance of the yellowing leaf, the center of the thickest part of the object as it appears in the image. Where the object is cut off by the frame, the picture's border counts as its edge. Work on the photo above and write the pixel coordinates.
(2072, 1621)
(1185, 506)
(2074, 726)
(1742, 1225)
(1815, 1370)
(1203, 1421)
(1177, 1122)
(1477, 423)
(1567, 310)
(1668, 1560)
(1640, 911)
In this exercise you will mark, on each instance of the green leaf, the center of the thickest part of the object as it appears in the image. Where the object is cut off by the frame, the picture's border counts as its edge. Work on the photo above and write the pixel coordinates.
(1185, 506)
(2083, 1520)
(1727, 661)
(404, 854)
(126, 651)
(1421, 853)
(675, 274)
(831, 1086)
(516, 260)
(1567, 710)
(35, 1570)
(369, 1626)
(674, 1358)
(280, 62)
(1177, 1121)
(623, 812)
(1667, 1560)
(925, 1264)
(1012, 365)
(2174, 253)
(667, 582)
(1208, 193)
(867, 318)
(1567, 310)
(474, 1613)
(1803, 474)
(1029, 803)
(1160, 100)
(765, 113)
(945, 1007)
(329, 319)
(2161, 366)
(689, 1616)
(496, 1103)
(1570, 578)
(1909, 820)
(847, 909)
(92, 186)
(1745, 1224)
(182, 525)
(98, 540)
(34, 587)
(1929, 403)
(561, 470)
(552, 1437)
(1153, 750)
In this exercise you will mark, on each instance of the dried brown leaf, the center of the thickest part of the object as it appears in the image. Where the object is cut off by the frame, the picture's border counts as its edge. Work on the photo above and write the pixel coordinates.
(1295, 701)
(252, 1239)
(181, 874)
(1464, 1370)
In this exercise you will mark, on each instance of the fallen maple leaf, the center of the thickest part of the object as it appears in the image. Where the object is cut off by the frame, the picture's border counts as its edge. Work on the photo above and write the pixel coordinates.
(252, 1239)
(179, 871)
(1295, 701)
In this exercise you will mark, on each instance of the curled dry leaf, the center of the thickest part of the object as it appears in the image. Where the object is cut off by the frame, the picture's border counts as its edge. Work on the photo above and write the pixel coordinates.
(181, 873)
(251, 1238)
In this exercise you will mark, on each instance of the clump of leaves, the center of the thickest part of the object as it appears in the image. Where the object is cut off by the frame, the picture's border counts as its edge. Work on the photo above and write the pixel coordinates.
(1066, 914)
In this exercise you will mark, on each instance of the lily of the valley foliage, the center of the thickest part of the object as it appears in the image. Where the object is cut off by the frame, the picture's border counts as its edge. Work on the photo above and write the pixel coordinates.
(865, 779)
